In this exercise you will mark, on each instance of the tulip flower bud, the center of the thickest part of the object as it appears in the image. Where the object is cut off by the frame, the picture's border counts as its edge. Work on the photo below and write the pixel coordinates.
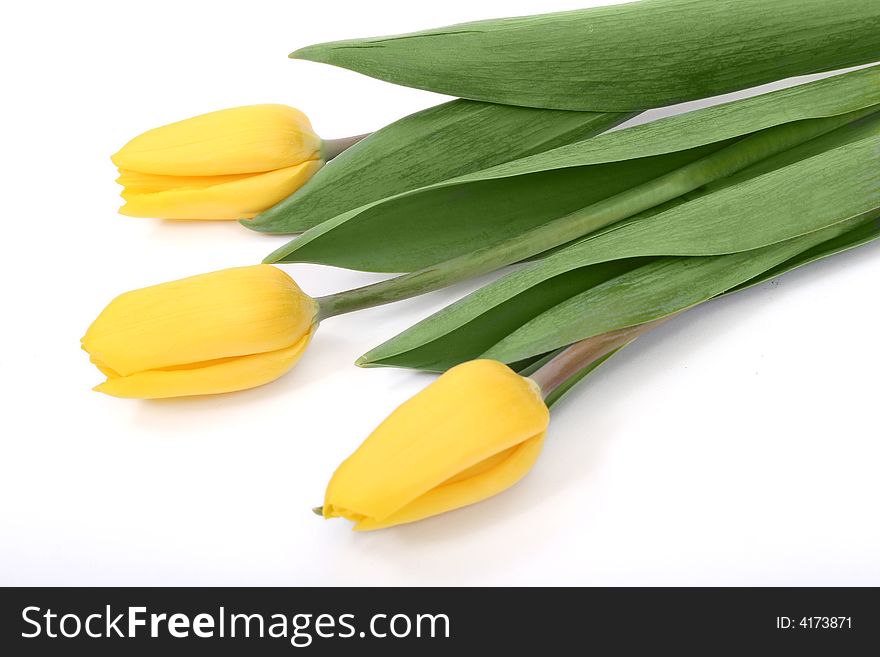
(218, 332)
(471, 434)
(230, 164)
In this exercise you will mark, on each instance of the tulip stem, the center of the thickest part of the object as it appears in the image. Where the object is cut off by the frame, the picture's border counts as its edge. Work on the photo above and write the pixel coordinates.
(730, 159)
(333, 147)
(559, 374)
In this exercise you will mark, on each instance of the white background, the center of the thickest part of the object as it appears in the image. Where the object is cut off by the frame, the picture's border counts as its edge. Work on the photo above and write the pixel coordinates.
(735, 445)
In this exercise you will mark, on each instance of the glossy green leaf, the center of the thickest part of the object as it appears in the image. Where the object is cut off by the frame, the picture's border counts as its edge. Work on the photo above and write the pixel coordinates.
(624, 57)
(656, 290)
(420, 228)
(436, 344)
(866, 232)
(863, 234)
(427, 147)
(747, 212)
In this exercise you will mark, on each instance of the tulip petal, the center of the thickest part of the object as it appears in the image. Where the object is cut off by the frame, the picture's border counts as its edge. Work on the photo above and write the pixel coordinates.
(463, 492)
(229, 198)
(247, 139)
(224, 375)
(470, 414)
(232, 312)
(136, 182)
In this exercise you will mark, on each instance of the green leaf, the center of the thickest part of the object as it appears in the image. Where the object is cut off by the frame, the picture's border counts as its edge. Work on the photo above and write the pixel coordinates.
(427, 147)
(749, 211)
(436, 344)
(865, 233)
(624, 57)
(656, 290)
(422, 227)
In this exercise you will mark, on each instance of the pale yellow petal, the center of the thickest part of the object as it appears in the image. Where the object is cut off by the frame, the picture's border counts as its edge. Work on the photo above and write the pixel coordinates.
(232, 312)
(229, 198)
(471, 413)
(225, 375)
(238, 140)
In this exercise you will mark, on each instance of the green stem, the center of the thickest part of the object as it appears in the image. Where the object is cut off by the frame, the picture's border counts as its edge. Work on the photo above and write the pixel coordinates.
(558, 375)
(741, 154)
(330, 148)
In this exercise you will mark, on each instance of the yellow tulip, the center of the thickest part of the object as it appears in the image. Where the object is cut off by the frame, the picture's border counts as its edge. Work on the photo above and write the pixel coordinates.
(218, 332)
(474, 432)
(230, 164)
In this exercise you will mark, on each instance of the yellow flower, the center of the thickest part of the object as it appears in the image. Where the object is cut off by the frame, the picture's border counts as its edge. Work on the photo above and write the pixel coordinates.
(218, 332)
(471, 434)
(230, 164)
